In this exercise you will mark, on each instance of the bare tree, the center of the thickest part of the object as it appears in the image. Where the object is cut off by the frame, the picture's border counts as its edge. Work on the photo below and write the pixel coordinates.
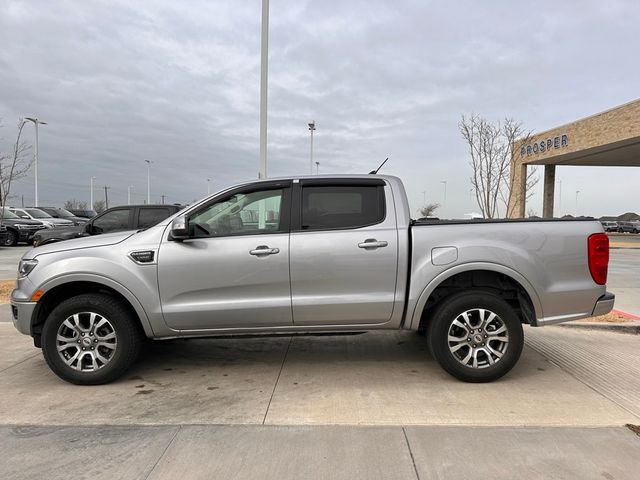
(74, 204)
(13, 166)
(99, 206)
(429, 209)
(491, 146)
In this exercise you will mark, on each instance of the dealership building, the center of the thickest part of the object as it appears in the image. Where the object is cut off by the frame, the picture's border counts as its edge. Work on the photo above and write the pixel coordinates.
(606, 139)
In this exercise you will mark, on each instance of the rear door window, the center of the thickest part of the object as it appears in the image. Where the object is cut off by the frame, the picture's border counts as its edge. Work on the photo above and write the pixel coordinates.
(342, 206)
(112, 221)
(148, 217)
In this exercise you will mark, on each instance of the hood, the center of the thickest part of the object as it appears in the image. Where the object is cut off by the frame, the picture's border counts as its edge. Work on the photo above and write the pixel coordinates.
(83, 242)
(24, 221)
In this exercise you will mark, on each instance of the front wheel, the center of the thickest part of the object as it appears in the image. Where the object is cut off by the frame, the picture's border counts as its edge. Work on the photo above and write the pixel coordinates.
(12, 239)
(90, 339)
(475, 336)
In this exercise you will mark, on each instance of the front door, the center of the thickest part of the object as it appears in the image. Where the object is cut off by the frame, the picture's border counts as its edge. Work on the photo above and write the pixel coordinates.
(344, 252)
(233, 271)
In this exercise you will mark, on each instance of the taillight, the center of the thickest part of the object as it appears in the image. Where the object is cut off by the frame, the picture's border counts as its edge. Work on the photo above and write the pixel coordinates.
(598, 246)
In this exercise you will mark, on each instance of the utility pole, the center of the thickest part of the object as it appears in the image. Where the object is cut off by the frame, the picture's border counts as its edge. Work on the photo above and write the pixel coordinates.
(312, 128)
(264, 68)
(106, 196)
(444, 182)
(317, 168)
(163, 198)
(129, 194)
(424, 198)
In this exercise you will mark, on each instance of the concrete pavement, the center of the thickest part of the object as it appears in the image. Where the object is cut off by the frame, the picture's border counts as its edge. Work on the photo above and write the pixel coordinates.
(365, 406)
(624, 279)
(329, 452)
(9, 259)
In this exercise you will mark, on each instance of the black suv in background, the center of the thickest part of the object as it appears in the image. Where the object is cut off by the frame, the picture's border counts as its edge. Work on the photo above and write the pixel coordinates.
(82, 213)
(57, 212)
(19, 229)
(128, 217)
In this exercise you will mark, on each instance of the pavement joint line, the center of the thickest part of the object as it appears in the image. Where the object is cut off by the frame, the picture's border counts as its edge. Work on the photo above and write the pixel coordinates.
(21, 361)
(584, 383)
(284, 358)
(175, 434)
(413, 460)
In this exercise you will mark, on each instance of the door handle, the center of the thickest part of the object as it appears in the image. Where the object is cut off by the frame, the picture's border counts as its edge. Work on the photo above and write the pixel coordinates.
(372, 243)
(264, 250)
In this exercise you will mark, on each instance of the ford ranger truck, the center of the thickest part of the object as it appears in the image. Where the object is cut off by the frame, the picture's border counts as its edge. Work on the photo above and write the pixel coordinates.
(305, 255)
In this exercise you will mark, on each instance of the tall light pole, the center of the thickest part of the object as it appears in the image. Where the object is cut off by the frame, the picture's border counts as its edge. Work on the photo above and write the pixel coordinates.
(36, 122)
(317, 168)
(208, 186)
(149, 162)
(312, 128)
(444, 182)
(577, 192)
(129, 194)
(424, 198)
(91, 196)
(264, 68)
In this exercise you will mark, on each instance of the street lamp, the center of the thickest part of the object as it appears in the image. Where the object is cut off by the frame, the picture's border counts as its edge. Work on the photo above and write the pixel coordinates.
(264, 68)
(577, 192)
(91, 196)
(317, 168)
(559, 198)
(129, 194)
(444, 182)
(208, 186)
(424, 198)
(149, 162)
(312, 128)
(36, 122)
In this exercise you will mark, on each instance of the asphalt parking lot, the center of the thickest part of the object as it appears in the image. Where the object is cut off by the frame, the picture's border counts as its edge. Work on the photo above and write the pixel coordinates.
(361, 406)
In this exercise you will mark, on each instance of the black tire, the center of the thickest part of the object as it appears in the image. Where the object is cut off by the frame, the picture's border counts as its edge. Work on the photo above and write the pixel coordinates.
(442, 321)
(12, 238)
(125, 325)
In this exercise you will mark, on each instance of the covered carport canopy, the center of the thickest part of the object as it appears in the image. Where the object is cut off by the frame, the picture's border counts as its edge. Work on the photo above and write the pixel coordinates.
(607, 139)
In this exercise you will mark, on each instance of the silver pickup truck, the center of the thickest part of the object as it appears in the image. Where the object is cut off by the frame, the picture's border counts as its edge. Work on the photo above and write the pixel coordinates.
(310, 254)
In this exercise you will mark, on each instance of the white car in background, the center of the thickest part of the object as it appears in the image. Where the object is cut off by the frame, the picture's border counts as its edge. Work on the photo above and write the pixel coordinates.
(29, 213)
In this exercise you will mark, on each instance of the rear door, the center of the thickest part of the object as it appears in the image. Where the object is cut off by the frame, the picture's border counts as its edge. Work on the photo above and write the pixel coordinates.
(344, 252)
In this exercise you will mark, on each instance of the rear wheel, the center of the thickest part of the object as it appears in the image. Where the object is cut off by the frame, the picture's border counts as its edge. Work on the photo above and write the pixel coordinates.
(90, 339)
(475, 336)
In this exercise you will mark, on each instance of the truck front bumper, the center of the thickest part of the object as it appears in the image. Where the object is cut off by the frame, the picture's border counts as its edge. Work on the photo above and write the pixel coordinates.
(604, 304)
(22, 313)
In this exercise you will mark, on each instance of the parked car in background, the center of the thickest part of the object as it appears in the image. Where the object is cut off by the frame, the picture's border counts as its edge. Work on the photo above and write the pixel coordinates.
(609, 226)
(57, 212)
(116, 219)
(19, 229)
(31, 213)
(3, 234)
(86, 213)
(629, 227)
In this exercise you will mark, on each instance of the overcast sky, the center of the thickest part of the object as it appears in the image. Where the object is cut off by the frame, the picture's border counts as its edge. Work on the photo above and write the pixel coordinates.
(178, 83)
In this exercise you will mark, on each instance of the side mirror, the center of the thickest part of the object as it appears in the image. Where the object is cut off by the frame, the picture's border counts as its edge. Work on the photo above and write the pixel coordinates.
(179, 229)
(87, 228)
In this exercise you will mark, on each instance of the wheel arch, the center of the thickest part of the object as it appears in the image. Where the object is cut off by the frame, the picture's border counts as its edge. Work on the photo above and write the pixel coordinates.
(61, 288)
(463, 276)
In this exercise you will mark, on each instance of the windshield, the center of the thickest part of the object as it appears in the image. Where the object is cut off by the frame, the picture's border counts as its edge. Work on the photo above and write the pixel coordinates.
(37, 213)
(8, 214)
(65, 213)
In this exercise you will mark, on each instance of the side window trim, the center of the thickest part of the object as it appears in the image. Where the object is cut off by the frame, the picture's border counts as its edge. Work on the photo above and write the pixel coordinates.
(296, 200)
(285, 206)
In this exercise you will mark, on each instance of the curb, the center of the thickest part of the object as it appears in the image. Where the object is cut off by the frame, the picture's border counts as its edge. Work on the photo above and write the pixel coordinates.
(625, 314)
(632, 328)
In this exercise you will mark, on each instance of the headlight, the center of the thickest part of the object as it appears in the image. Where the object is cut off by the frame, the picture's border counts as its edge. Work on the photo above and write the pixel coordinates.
(26, 266)
(20, 226)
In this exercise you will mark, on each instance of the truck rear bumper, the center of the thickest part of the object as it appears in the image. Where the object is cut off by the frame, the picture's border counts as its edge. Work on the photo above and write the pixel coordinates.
(604, 304)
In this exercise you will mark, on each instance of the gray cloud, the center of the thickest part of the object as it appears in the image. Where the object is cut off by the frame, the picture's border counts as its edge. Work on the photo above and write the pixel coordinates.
(120, 82)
